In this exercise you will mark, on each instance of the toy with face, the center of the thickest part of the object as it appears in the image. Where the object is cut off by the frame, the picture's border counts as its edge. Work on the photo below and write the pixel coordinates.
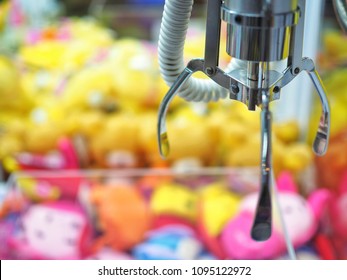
(300, 216)
(57, 230)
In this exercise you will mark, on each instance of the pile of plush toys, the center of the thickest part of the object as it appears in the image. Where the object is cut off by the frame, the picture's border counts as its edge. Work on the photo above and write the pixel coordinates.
(161, 216)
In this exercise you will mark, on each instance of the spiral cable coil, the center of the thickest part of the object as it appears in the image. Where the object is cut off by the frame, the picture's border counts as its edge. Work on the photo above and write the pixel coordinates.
(172, 35)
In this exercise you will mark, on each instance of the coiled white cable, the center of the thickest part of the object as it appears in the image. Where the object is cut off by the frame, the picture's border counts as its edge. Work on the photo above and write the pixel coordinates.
(173, 30)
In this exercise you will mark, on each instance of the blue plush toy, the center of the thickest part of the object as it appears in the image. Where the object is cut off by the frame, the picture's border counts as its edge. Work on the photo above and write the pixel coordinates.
(173, 242)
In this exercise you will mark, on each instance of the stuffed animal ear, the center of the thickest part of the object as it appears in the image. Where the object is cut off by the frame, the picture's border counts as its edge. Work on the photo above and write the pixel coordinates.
(317, 201)
(285, 183)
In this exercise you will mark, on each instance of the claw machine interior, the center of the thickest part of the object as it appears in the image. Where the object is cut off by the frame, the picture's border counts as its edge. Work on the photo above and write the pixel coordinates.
(82, 176)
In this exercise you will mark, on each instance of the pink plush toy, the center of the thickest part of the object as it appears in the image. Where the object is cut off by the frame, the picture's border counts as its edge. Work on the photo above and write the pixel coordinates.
(54, 230)
(301, 218)
(338, 219)
(338, 210)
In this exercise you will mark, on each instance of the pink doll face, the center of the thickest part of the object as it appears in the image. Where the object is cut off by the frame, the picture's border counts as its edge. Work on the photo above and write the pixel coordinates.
(54, 231)
(298, 217)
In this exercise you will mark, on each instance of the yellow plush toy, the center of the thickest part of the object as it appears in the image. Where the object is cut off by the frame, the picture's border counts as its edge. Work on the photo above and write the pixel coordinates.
(12, 131)
(134, 74)
(217, 206)
(13, 98)
(117, 143)
(192, 142)
(90, 89)
(174, 199)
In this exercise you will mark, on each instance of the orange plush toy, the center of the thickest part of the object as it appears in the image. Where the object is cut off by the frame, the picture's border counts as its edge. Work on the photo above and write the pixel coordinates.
(123, 216)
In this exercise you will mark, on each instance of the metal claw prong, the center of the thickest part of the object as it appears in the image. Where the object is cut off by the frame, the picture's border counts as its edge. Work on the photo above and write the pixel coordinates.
(262, 225)
(321, 141)
(163, 141)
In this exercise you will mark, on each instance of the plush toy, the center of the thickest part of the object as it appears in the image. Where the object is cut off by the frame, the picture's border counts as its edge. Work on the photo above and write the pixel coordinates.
(12, 96)
(116, 145)
(64, 157)
(175, 242)
(38, 190)
(53, 230)
(122, 214)
(217, 205)
(338, 206)
(135, 74)
(12, 131)
(174, 199)
(301, 217)
(191, 139)
(337, 222)
(90, 89)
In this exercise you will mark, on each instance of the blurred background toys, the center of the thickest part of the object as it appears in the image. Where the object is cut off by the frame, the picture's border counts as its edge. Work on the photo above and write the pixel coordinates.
(78, 113)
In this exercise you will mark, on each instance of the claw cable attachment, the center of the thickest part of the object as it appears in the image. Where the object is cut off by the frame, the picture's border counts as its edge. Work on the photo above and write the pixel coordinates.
(259, 34)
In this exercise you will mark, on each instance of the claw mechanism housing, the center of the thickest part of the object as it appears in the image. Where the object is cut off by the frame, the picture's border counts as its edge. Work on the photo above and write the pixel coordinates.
(259, 34)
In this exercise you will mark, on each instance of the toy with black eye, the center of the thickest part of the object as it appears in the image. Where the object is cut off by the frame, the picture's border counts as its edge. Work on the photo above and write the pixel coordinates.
(259, 34)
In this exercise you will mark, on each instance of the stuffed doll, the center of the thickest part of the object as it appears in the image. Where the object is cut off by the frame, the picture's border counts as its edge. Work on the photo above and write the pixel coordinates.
(302, 218)
(53, 230)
